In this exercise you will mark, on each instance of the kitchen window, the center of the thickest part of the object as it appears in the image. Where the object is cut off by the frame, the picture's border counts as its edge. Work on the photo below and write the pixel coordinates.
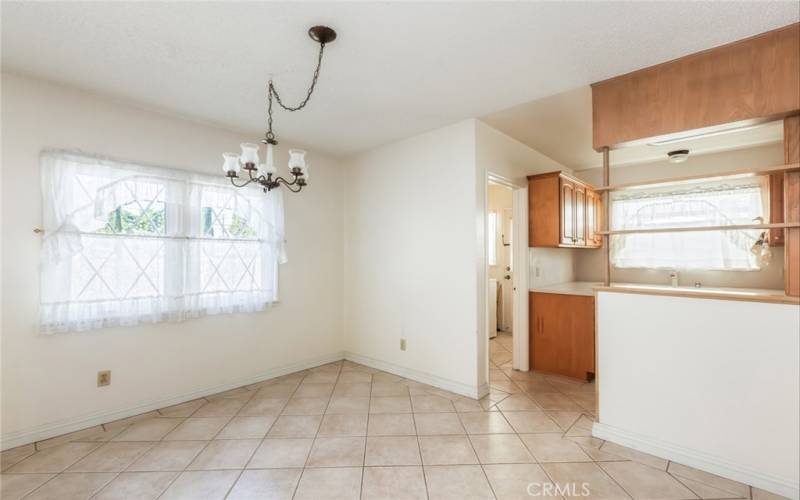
(127, 243)
(739, 201)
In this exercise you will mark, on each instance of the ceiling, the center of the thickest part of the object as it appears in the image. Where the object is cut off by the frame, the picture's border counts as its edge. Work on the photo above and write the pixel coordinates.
(560, 126)
(397, 69)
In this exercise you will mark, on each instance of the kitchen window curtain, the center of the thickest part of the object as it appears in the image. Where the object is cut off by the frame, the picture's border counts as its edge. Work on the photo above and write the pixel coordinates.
(126, 243)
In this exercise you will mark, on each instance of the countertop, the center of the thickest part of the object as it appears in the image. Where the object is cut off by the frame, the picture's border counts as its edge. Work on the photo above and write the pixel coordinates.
(588, 288)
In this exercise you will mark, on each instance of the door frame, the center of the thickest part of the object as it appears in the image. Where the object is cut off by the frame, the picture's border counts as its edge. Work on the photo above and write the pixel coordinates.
(519, 249)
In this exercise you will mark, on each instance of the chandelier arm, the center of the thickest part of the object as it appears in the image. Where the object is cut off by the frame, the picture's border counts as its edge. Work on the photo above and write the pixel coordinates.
(244, 184)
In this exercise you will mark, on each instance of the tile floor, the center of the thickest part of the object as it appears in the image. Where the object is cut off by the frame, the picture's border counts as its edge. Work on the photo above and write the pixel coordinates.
(345, 431)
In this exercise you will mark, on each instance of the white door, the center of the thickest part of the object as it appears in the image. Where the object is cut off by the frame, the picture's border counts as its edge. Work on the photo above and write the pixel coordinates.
(508, 275)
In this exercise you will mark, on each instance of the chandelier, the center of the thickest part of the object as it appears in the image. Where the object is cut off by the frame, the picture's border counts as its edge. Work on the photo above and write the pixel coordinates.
(265, 174)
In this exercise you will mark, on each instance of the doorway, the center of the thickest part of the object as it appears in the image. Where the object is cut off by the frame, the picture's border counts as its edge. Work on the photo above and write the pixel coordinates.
(500, 260)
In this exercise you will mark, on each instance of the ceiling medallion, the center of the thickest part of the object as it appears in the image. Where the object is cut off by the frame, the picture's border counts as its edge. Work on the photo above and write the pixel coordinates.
(265, 174)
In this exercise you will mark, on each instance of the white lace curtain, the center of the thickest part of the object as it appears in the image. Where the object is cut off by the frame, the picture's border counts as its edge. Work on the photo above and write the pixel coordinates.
(127, 243)
(735, 202)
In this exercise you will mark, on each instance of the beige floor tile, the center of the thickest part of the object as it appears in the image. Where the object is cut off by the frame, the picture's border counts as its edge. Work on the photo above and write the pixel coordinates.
(393, 483)
(352, 390)
(225, 454)
(636, 456)
(467, 405)
(428, 404)
(277, 391)
(506, 385)
(517, 402)
(739, 490)
(705, 491)
(125, 422)
(239, 392)
(518, 481)
(530, 422)
(197, 429)
(54, 459)
(111, 457)
(643, 482)
(457, 482)
(569, 477)
(355, 378)
(390, 404)
(183, 409)
(168, 456)
(485, 423)
(223, 407)
(343, 425)
(305, 406)
(314, 391)
(321, 378)
(348, 405)
(281, 453)
(15, 455)
(137, 485)
(581, 427)
(391, 424)
(262, 407)
(500, 449)
(295, 426)
(246, 428)
(337, 452)
(392, 450)
(564, 419)
(384, 389)
(759, 494)
(446, 450)
(555, 401)
(16, 486)
(554, 448)
(273, 484)
(78, 486)
(438, 424)
(96, 433)
(342, 483)
(153, 429)
(205, 485)
(384, 377)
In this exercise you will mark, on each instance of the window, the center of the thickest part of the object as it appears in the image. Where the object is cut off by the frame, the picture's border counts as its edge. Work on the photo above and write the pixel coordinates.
(126, 243)
(491, 237)
(733, 202)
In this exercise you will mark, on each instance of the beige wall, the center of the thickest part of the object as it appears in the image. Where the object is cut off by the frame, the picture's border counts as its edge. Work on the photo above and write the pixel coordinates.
(48, 382)
(589, 263)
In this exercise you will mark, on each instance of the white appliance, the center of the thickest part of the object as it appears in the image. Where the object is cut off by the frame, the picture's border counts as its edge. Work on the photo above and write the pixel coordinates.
(493, 289)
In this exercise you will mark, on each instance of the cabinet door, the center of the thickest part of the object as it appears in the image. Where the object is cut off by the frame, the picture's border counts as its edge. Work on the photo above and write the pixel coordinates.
(562, 334)
(567, 212)
(580, 215)
(591, 217)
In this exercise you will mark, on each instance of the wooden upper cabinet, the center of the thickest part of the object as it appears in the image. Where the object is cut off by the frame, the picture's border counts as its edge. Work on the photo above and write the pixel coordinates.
(562, 212)
(752, 79)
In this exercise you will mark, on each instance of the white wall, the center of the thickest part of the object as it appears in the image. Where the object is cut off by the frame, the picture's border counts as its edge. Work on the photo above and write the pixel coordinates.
(590, 263)
(712, 384)
(48, 382)
(409, 257)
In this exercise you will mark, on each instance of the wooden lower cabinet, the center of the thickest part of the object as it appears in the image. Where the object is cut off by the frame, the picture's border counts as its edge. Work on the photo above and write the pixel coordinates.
(562, 334)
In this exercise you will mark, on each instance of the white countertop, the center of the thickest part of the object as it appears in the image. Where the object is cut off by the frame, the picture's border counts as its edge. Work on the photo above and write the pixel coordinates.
(587, 288)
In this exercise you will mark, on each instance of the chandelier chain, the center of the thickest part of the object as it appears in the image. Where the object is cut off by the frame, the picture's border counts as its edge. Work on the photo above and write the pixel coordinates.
(273, 92)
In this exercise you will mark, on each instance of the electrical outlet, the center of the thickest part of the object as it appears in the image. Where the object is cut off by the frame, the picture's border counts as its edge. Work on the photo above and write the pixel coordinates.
(402, 344)
(103, 378)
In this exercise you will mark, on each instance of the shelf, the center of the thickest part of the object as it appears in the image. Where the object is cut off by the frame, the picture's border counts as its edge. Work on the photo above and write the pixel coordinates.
(700, 228)
(699, 178)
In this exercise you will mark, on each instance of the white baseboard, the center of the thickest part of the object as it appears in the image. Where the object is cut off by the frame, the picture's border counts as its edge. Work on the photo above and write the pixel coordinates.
(418, 376)
(57, 428)
(699, 460)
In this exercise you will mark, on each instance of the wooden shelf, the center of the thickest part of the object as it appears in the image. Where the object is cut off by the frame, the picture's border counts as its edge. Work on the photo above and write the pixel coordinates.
(701, 228)
(702, 178)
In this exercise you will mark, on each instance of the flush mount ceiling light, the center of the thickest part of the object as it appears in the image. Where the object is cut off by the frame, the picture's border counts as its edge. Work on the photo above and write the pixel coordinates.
(678, 156)
(265, 174)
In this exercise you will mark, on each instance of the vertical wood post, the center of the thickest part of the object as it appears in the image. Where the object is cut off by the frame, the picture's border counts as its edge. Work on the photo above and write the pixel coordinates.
(606, 219)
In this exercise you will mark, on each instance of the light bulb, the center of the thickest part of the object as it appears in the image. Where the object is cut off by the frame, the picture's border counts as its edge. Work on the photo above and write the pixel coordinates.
(231, 163)
(249, 153)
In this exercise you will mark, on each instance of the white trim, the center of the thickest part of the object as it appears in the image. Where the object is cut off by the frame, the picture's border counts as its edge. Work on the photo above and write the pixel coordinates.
(699, 460)
(60, 427)
(418, 376)
(520, 339)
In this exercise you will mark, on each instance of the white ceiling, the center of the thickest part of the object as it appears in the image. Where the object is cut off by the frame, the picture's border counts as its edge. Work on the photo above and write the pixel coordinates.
(396, 70)
(560, 126)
